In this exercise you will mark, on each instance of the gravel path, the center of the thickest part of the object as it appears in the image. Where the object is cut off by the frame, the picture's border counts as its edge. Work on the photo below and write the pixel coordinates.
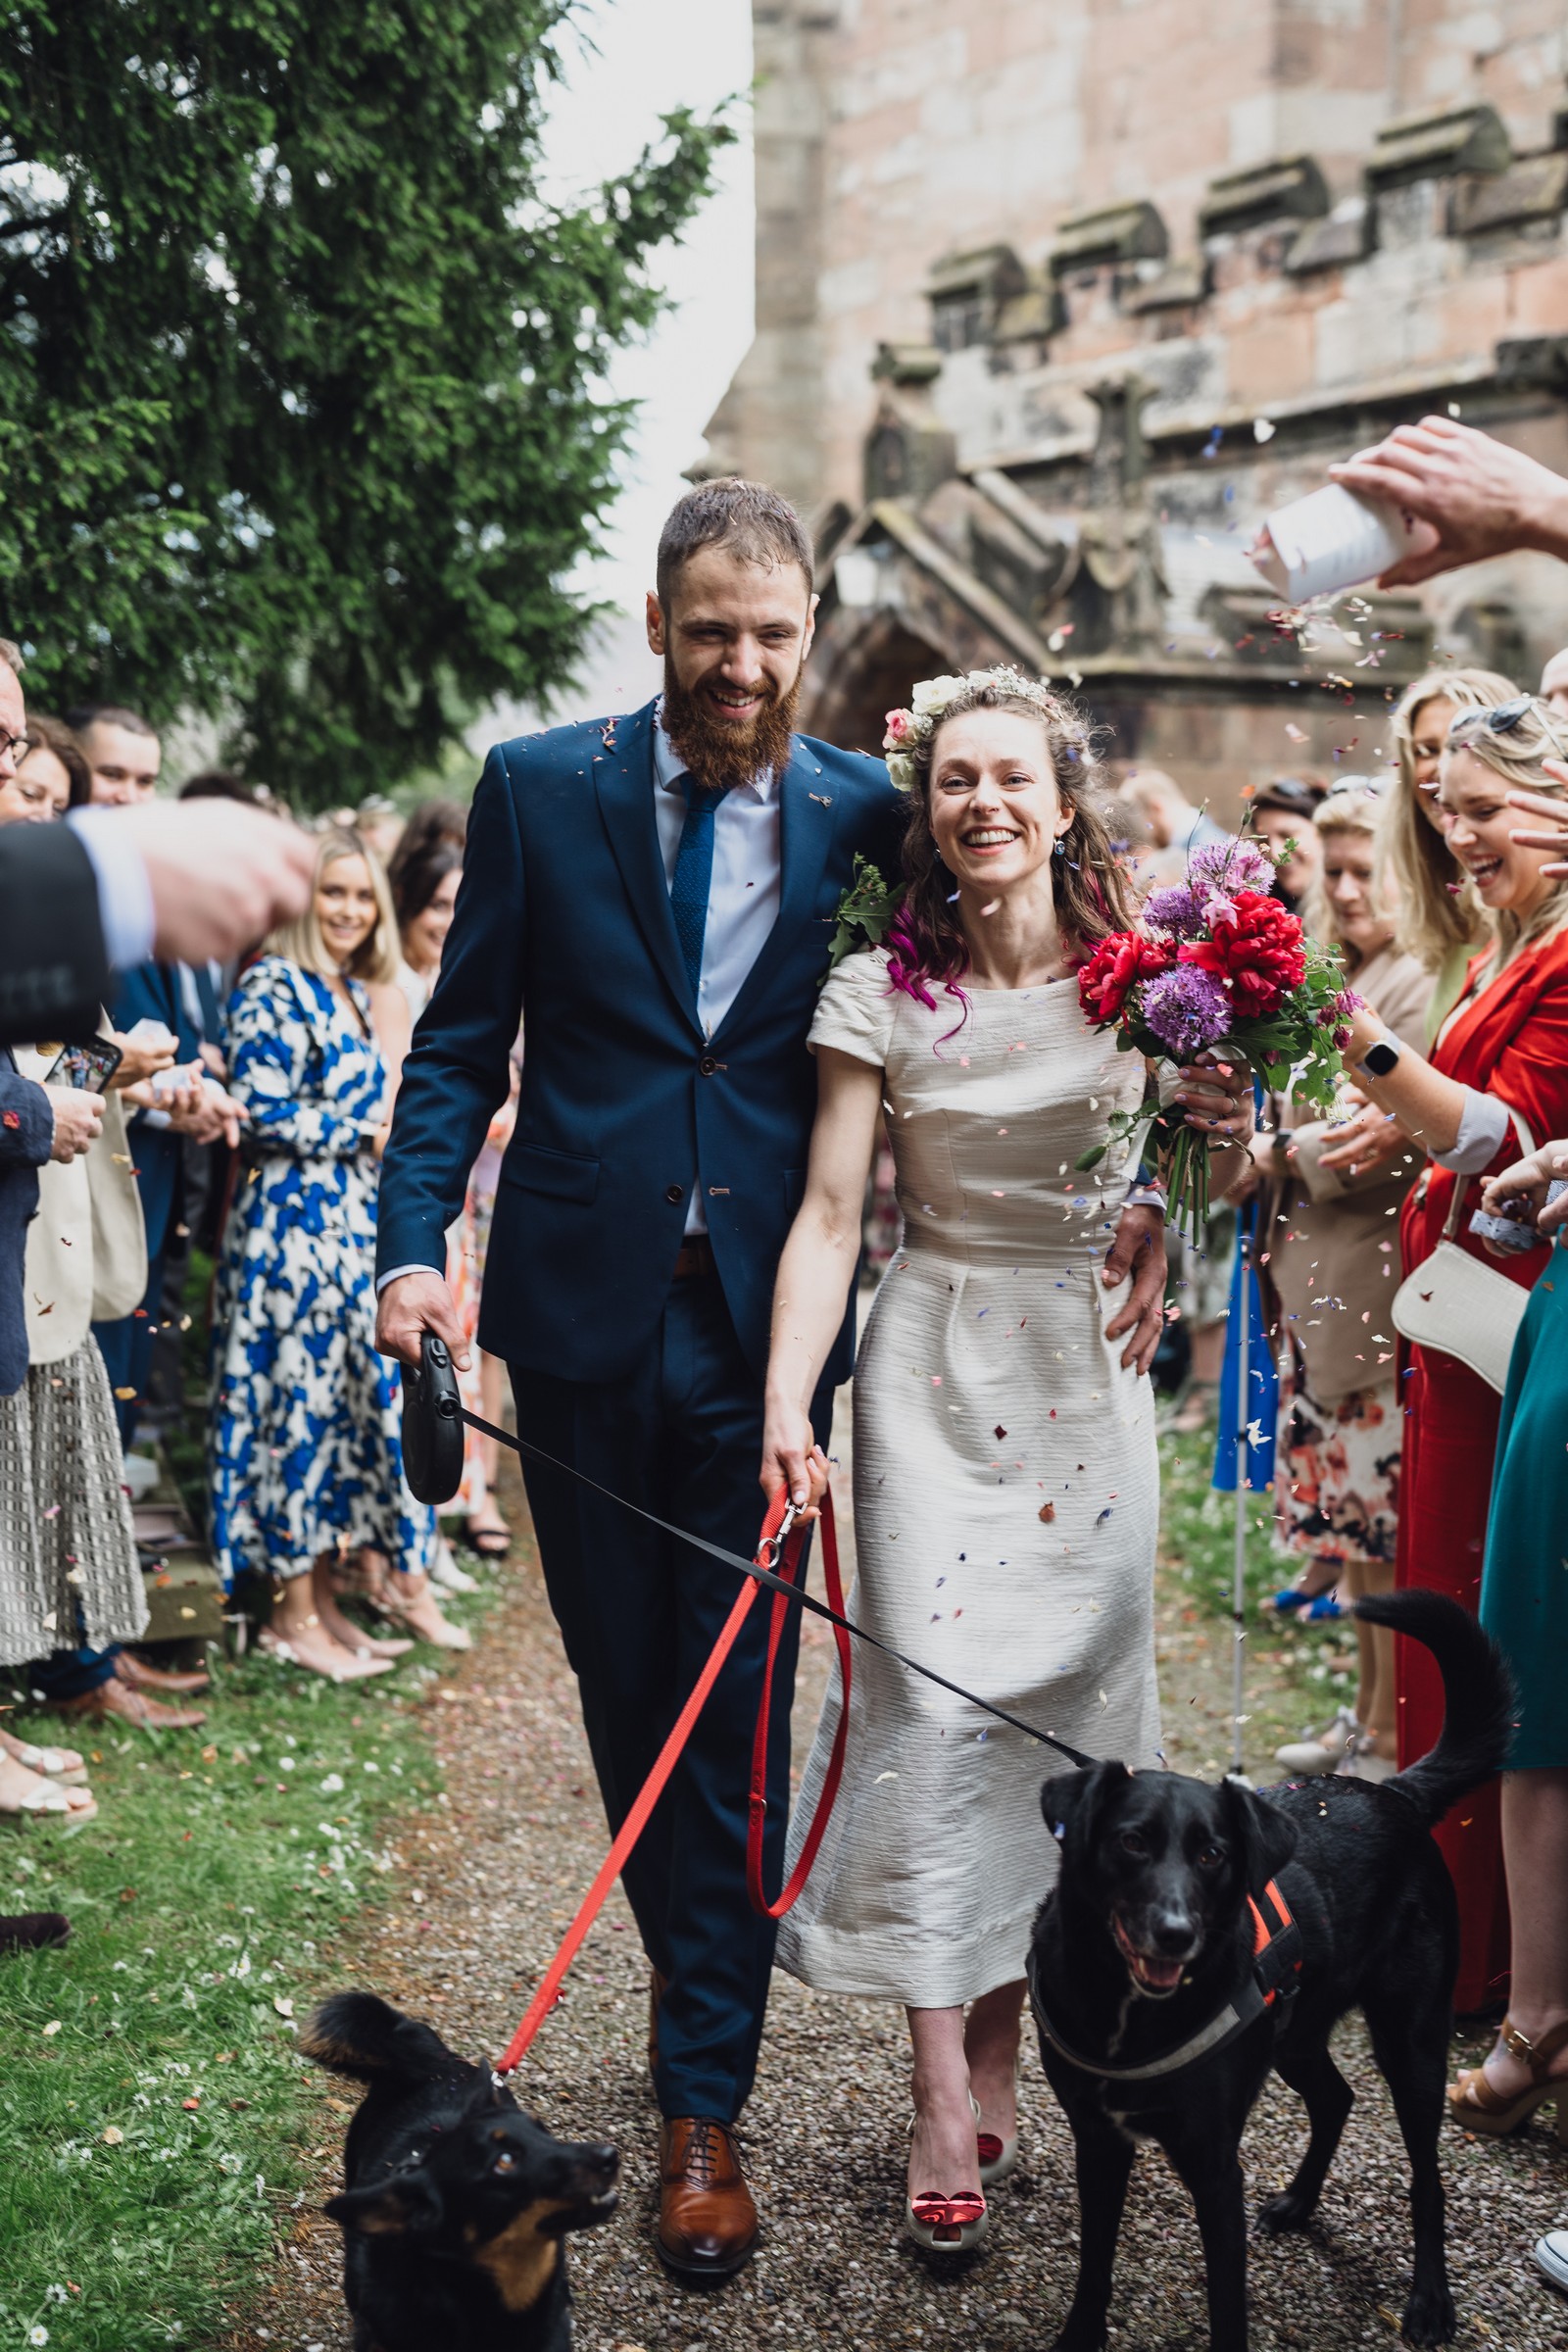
(491, 1877)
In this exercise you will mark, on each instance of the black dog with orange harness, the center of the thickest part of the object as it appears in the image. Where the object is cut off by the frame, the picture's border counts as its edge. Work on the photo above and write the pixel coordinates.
(1198, 1935)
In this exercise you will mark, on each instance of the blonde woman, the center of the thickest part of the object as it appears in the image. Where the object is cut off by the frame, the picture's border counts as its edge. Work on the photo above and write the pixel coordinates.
(1440, 925)
(305, 1460)
(1500, 1055)
(1334, 1266)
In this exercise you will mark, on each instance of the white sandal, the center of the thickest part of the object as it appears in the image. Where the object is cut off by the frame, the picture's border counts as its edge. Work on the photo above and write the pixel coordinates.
(61, 1764)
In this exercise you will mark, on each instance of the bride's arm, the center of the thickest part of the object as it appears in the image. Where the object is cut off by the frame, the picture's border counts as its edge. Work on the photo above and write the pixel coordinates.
(816, 1270)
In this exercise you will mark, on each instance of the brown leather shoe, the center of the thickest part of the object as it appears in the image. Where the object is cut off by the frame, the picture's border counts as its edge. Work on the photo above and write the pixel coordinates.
(137, 1675)
(658, 1986)
(120, 1700)
(707, 2219)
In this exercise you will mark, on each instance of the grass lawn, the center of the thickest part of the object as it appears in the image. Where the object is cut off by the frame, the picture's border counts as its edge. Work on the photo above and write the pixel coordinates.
(152, 2099)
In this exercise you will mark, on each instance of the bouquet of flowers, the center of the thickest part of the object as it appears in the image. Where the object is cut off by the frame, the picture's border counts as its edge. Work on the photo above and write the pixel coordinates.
(1216, 962)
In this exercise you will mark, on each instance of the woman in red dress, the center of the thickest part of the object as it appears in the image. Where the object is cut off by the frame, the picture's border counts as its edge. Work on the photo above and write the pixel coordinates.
(1500, 1055)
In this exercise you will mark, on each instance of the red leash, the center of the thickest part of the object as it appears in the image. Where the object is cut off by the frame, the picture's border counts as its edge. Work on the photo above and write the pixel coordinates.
(636, 1821)
(835, 1767)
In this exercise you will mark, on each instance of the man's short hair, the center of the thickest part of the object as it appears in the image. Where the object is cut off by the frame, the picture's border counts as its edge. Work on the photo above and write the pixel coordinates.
(753, 521)
(11, 655)
(112, 714)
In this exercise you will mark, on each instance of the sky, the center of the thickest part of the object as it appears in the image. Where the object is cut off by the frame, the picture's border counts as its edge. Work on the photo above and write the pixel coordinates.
(628, 63)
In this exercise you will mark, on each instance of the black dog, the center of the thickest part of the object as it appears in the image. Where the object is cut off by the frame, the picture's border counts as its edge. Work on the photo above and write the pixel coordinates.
(456, 2202)
(1168, 1974)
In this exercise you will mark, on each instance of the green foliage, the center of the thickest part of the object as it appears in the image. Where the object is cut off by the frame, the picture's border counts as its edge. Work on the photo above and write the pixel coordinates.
(302, 417)
(223, 1866)
(865, 912)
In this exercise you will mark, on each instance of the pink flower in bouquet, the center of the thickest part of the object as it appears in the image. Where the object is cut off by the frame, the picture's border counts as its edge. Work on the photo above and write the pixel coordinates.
(1258, 956)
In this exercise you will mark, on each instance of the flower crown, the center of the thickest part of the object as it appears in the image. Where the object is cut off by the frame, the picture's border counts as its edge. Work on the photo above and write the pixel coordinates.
(934, 698)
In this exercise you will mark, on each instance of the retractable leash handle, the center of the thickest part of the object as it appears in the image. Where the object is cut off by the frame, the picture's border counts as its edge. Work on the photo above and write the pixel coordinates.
(433, 1424)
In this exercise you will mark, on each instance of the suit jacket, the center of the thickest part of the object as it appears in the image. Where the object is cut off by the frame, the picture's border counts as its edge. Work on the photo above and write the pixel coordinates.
(1510, 1038)
(153, 992)
(54, 974)
(27, 1134)
(563, 921)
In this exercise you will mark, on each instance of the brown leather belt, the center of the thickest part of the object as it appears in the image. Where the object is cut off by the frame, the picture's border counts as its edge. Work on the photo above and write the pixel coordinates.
(696, 1258)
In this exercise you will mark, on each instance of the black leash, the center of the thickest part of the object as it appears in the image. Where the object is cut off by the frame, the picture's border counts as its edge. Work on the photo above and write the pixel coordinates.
(433, 1415)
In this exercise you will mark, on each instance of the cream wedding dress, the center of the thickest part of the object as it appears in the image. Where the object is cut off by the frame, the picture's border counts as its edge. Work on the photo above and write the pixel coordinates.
(1006, 1493)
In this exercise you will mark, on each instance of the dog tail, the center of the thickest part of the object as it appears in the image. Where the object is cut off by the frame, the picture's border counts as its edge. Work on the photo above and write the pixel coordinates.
(1479, 1702)
(358, 2034)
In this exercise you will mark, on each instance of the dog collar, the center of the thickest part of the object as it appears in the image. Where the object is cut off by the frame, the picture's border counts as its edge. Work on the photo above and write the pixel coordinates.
(1270, 1985)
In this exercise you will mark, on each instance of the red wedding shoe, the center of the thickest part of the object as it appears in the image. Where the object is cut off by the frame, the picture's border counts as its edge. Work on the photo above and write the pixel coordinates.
(946, 2224)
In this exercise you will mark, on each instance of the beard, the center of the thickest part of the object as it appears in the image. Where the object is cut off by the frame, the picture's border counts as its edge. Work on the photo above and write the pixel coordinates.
(717, 754)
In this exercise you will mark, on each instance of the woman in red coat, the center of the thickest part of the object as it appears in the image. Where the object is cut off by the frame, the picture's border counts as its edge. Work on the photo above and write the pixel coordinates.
(1500, 1055)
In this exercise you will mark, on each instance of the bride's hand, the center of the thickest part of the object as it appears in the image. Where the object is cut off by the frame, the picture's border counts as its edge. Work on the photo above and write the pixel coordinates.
(790, 1459)
(1138, 1248)
(1217, 1097)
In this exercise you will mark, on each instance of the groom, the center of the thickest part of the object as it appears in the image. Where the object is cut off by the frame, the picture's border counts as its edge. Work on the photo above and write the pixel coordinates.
(652, 898)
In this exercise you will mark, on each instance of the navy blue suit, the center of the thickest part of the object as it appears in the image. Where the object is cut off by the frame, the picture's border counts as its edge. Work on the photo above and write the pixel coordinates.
(650, 1384)
(27, 1136)
(152, 992)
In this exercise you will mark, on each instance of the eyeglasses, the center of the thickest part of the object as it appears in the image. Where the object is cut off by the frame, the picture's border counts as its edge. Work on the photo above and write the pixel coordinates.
(1290, 794)
(13, 746)
(1370, 788)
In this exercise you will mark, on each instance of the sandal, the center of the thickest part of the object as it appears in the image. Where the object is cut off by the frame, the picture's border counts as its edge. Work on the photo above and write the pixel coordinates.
(61, 1764)
(77, 1806)
(946, 2224)
(407, 1598)
(490, 1536)
(1476, 2107)
(356, 1667)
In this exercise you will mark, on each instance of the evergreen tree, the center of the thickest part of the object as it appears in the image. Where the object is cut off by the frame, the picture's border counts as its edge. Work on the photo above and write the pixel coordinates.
(301, 416)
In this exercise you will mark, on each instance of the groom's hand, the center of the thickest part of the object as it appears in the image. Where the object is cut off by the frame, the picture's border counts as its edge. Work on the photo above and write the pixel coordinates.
(1138, 1250)
(408, 1308)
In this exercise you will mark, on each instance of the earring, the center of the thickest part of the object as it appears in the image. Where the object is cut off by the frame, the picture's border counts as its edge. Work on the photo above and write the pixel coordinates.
(1060, 849)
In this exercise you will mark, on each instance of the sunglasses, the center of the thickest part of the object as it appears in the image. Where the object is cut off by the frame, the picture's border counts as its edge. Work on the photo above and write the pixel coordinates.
(1500, 719)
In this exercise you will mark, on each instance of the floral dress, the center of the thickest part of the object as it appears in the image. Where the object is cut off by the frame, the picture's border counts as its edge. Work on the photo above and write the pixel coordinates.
(304, 1444)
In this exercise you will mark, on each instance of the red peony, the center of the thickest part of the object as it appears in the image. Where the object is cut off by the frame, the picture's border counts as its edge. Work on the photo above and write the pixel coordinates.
(1257, 957)
(1115, 968)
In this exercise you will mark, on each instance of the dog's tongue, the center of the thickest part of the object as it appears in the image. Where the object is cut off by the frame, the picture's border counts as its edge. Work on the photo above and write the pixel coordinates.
(1162, 1976)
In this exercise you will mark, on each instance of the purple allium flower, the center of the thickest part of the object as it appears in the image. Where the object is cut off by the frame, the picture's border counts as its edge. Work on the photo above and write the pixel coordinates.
(1186, 1009)
(1230, 866)
(1175, 909)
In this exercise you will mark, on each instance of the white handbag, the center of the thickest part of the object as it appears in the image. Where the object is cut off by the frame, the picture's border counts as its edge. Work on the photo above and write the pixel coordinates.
(1461, 1307)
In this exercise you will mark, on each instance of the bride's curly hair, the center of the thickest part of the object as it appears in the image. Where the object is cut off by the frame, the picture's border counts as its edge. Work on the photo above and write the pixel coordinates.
(925, 940)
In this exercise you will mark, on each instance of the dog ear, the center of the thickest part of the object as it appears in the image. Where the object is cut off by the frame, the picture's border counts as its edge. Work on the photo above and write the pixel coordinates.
(1070, 1801)
(1266, 1835)
(407, 2206)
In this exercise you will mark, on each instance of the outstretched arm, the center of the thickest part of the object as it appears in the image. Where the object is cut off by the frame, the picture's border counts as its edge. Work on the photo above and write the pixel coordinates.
(1473, 496)
(816, 1270)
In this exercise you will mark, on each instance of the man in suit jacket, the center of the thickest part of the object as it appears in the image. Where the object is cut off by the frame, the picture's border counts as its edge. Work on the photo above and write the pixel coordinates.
(653, 895)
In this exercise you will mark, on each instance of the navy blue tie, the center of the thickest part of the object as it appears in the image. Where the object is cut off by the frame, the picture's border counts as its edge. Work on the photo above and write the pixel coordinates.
(693, 872)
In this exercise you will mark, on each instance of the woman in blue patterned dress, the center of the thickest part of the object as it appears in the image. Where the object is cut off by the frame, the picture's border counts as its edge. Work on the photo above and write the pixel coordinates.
(305, 1453)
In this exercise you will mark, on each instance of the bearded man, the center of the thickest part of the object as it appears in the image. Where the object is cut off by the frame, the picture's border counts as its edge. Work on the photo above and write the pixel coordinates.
(653, 897)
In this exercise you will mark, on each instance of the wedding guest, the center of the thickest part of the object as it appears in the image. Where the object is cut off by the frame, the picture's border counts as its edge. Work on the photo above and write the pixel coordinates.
(304, 1444)
(122, 751)
(1173, 825)
(1440, 924)
(1523, 1607)
(1281, 814)
(1501, 1058)
(1333, 1267)
(1005, 1480)
(51, 775)
(425, 891)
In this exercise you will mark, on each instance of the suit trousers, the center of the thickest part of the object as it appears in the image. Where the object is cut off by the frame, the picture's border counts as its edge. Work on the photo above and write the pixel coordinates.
(681, 1435)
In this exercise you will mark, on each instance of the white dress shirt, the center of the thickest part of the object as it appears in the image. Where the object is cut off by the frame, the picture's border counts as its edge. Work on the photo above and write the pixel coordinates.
(742, 894)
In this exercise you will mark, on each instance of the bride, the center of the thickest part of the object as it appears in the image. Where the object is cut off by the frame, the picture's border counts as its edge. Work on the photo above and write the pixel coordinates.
(1006, 1483)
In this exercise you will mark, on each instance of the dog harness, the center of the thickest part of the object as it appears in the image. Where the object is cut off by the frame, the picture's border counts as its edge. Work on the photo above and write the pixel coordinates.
(1269, 1988)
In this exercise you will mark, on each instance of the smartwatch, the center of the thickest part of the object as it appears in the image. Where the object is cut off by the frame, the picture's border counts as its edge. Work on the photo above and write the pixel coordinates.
(1379, 1059)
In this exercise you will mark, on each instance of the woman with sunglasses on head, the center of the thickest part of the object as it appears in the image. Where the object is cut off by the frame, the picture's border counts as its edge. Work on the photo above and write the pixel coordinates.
(1523, 1607)
(1333, 1266)
(1498, 1071)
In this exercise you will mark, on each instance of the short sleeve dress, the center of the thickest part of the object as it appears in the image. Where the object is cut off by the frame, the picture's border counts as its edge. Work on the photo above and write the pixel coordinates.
(1005, 1491)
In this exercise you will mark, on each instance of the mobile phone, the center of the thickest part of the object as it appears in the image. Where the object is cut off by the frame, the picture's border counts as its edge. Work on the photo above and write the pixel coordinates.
(88, 1066)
